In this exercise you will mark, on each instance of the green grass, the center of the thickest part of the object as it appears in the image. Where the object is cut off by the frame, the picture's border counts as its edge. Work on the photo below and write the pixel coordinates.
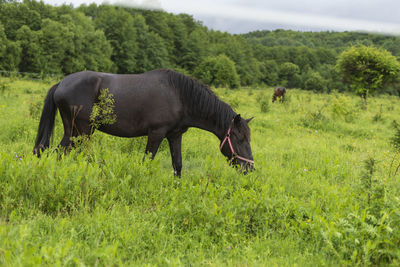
(310, 202)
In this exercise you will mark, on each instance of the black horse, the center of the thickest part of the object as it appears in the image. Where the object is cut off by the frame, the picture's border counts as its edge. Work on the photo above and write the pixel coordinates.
(159, 103)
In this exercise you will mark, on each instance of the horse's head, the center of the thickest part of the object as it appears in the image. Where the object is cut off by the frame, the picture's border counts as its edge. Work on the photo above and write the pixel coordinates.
(236, 144)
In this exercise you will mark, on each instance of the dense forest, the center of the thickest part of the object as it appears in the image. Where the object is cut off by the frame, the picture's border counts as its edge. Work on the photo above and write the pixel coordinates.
(42, 39)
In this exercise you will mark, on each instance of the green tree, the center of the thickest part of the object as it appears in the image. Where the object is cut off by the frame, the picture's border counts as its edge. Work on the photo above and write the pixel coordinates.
(10, 52)
(288, 73)
(219, 71)
(31, 49)
(196, 49)
(152, 52)
(269, 72)
(55, 40)
(117, 25)
(367, 69)
(238, 50)
(179, 40)
(14, 15)
(314, 81)
(89, 48)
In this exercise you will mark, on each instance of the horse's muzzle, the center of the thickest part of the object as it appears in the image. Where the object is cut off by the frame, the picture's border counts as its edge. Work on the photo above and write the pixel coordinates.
(247, 167)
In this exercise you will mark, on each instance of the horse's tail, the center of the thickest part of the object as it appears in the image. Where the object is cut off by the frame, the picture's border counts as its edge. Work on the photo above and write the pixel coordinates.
(46, 124)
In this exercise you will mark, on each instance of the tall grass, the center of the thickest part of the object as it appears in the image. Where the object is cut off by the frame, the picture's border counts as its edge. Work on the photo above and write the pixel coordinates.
(321, 194)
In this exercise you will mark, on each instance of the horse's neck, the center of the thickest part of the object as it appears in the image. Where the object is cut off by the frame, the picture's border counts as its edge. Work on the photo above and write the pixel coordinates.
(209, 125)
(209, 118)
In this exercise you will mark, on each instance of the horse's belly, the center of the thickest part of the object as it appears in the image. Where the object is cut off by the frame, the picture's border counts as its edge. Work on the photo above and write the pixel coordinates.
(133, 124)
(122, 132)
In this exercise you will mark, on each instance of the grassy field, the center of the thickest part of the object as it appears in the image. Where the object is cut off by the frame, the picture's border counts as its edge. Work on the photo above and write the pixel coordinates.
(324, 192)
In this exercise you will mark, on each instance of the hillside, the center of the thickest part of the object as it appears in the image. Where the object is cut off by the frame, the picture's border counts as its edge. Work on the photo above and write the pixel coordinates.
(39, 39)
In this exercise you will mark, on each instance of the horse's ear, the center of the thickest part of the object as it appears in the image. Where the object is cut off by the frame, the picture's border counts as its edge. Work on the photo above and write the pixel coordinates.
(249, 120)
(237, 119)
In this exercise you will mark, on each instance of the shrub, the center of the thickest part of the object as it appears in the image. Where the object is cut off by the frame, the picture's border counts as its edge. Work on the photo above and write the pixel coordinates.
(3, 87)
(395, 140)
(219, 71)
(342, 108)
(264, 104)
(103, 110)
(378, 116)
(35, 107)
(234, 103)
(315, 82)
(367, 69)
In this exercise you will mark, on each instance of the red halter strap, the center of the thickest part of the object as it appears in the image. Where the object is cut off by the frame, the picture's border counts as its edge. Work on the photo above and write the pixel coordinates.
(228, 139)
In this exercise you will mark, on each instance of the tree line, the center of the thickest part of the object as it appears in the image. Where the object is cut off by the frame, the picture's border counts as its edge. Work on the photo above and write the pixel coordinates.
(40, 38)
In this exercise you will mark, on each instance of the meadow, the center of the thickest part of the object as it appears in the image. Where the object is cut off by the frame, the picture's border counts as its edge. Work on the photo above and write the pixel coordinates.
(325, 191)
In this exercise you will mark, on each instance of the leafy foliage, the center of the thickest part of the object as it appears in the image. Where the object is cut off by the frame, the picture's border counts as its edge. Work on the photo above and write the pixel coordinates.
(343, 109)
(103, 110)
(367, 69)
(288, 73)
(40, 40)
(314, 81)
(395, 140)
(219, 71)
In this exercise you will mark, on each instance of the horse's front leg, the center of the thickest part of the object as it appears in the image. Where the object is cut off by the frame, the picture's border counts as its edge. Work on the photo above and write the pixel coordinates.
(154, 139)
(175, 147)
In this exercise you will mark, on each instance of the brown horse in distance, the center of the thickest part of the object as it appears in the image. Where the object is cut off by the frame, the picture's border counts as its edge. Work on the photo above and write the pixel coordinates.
(279, 92)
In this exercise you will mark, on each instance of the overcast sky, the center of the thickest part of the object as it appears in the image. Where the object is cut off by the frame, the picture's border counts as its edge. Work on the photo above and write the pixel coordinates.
(240, 16)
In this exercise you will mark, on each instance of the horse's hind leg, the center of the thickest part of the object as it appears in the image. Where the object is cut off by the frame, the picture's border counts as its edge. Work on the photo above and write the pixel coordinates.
(74, 126)
(67, 123)
(80, 122)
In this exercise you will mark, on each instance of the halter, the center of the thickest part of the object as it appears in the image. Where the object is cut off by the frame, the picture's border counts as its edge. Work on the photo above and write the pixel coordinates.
(228, 138)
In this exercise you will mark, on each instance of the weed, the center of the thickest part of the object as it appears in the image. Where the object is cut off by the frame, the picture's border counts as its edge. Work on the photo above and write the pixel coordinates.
(3, 87)
(395, 139)
(264, 104)
(341, 108)
(315, 119)
(103, 110)
(378, 116)
(235, 102)
(35, 108)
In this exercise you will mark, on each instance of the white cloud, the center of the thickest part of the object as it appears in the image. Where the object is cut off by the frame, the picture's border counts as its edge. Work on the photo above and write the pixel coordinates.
(240, 15)
(265, 15)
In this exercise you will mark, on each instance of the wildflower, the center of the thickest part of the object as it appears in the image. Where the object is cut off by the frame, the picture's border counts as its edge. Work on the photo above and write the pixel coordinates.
(17, 157)
(229, 247)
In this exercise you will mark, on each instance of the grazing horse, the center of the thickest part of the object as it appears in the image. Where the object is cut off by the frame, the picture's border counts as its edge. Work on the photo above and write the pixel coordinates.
(159, 103)
(279, 92)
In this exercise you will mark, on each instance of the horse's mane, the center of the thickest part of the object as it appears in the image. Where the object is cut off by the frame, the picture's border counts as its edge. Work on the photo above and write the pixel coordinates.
(200, 100)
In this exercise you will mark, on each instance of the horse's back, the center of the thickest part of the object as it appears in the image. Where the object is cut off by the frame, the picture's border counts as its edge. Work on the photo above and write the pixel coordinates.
(78, 88)
(280, 89)
(142, 101)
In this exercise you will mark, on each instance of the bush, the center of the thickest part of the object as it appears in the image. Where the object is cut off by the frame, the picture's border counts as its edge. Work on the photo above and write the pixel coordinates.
(264, 104)
(289, 72)
(219, 71)
(315, 82)
(395, 140)
(3, 87)
(342, 108)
